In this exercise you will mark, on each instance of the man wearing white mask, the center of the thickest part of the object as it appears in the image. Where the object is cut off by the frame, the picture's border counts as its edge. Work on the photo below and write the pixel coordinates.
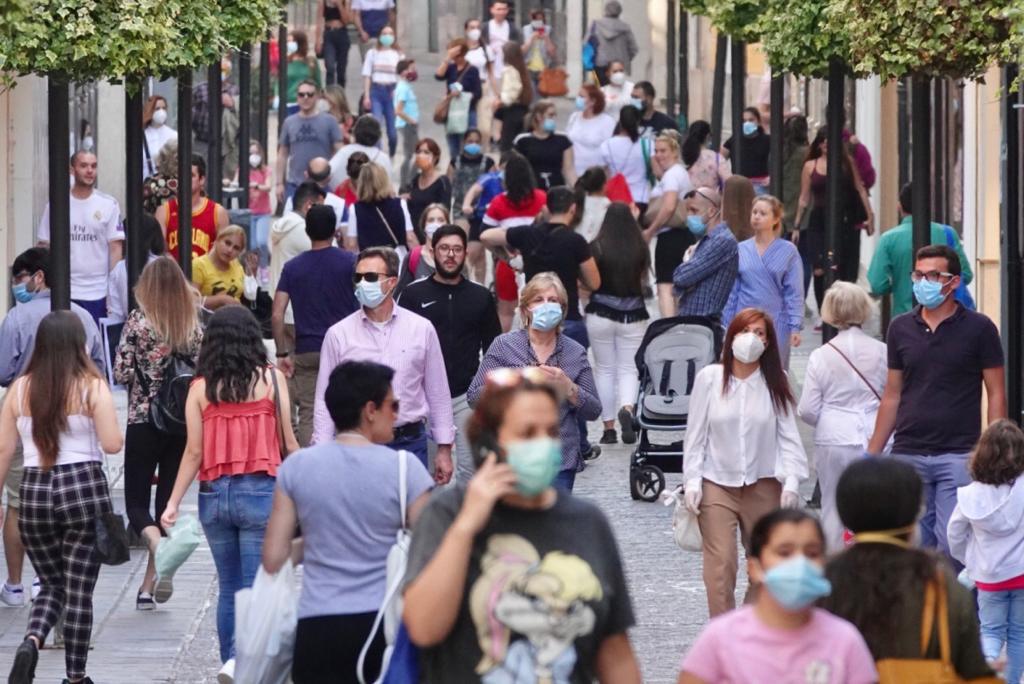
(389, 334)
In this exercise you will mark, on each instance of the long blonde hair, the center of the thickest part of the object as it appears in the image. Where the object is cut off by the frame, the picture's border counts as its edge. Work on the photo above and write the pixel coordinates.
(373, 184)
(168, 302)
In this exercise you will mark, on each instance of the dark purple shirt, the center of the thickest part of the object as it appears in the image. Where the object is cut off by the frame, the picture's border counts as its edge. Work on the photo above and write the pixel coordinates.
(319, 285)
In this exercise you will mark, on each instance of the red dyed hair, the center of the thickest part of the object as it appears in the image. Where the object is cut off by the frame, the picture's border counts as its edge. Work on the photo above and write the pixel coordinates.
(771, 362)
(595, 94)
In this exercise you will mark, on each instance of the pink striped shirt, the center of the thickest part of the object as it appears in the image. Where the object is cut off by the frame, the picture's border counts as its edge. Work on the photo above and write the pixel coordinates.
(408, 344)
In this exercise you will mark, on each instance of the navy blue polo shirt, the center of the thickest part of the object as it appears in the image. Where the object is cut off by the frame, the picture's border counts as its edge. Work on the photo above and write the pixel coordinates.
(940, 405)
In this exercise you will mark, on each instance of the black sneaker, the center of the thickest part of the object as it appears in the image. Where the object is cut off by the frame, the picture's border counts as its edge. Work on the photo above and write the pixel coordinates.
(591, 452)
(83, 681)
(626, 425)
(609, 437)
(144, 601)
(23, 671)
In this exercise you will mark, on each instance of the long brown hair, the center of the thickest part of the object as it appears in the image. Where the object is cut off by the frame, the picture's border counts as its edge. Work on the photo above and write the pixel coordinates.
(166, 299)
(150, 107)
(58, 369)
(512, 52)
(770, 362)
(737, 201)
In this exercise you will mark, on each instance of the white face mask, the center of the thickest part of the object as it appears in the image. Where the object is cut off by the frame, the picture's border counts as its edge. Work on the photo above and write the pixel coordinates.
(431, 227)
(473, 34)
(747, 347)
(254, 160)
(618, 78)
(160, 117)
(537, 23)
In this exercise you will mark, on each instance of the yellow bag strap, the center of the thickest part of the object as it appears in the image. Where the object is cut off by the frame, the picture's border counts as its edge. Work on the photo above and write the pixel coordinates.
(944, 650)
(927, 617)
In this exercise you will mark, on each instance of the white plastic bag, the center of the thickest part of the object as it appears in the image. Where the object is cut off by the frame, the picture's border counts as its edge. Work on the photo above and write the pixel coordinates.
(685, 527)
(174, 550)
(265, 620)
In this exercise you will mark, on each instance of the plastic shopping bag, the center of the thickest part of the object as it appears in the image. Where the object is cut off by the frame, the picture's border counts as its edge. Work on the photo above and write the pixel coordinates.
(685, 527)
(265, 620)
(174, 550)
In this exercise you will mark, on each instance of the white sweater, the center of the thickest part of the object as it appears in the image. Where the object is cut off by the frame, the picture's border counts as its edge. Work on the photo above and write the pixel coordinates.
(986, 530)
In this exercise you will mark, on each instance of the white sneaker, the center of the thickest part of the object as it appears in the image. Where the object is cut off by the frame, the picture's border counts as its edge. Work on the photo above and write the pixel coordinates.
(12, 596)
(37, 587)
(227, 673)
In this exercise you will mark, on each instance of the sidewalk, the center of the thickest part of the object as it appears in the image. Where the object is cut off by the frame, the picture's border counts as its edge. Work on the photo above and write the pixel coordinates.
(128, 646)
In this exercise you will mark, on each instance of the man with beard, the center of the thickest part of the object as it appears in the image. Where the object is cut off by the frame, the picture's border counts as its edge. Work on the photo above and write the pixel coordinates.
(465, 317)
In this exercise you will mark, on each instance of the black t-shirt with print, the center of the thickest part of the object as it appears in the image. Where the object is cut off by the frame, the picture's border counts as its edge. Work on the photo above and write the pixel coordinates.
(552, 247)
(536, 577)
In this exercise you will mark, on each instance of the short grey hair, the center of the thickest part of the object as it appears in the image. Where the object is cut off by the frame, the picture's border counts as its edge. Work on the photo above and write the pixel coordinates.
(386, 254)
(846, 305)
(612, 8)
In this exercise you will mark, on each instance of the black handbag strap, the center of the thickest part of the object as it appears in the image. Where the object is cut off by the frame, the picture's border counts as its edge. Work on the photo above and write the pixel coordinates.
(387, 224)
(857, 371)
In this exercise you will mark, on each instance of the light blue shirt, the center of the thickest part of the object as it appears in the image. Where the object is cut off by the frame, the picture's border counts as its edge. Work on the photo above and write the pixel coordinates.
(18, 336)
(404, 94)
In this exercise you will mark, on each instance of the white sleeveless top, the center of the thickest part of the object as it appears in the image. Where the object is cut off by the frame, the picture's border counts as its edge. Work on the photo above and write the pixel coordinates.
(77, 445)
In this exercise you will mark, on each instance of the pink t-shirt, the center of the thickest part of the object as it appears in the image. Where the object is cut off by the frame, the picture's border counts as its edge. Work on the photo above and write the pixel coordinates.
(738, 648)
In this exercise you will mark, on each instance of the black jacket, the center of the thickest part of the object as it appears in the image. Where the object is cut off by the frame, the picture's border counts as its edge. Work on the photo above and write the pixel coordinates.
(465, 318)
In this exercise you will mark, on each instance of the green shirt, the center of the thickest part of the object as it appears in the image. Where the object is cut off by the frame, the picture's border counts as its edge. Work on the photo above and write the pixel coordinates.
(889, 272)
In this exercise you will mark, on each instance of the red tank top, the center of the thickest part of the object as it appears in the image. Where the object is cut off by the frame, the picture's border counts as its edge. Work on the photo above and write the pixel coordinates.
(204, 227)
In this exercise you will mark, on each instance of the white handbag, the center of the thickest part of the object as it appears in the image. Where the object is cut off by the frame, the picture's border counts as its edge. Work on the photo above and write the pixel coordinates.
(685, 527)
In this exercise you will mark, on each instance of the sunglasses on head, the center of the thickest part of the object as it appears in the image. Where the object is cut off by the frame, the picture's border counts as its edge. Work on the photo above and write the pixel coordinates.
(371, 277)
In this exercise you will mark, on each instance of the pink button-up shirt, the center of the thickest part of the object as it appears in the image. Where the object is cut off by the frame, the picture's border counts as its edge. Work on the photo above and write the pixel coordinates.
(408, 344)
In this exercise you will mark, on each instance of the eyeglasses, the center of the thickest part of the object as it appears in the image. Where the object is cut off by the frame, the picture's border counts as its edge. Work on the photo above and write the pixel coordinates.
(370, 277)
(449, 249)
(930, 276)
(306, 93)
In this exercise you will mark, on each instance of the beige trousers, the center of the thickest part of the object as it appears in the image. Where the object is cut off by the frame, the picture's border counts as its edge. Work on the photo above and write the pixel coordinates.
(303, 390)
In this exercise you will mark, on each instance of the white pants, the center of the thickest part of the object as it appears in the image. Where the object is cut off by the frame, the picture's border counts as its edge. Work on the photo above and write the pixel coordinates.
(830, 462)
(615, 345)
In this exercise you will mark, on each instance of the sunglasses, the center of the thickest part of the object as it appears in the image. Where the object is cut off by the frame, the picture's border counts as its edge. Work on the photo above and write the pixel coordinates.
(371, 277)
(306, 94)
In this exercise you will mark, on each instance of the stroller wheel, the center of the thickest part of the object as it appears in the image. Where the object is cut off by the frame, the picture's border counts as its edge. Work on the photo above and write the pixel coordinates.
(646, 483)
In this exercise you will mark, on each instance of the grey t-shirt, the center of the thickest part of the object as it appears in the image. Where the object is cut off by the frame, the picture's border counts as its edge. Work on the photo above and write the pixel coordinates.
(543, 590)
(347, 502)
(308, 137)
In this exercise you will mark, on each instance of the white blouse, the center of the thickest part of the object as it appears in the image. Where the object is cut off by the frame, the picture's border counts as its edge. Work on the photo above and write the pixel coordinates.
(586, 136)
(835, 400)
(739, 438)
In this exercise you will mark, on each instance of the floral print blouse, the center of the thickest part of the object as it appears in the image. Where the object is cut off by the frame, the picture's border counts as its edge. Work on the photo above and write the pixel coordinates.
(141, 351)
(711, 170)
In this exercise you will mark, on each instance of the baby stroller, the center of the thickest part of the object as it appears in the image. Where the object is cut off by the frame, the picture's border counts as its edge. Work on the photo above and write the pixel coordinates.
(674, 350)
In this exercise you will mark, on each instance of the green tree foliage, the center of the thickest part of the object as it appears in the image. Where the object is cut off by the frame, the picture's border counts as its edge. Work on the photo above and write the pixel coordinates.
(735, 18)
(800, 37)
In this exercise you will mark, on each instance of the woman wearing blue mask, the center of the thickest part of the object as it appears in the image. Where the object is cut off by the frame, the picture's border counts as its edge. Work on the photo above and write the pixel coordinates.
(784, 638)
(543, 304)
(511, 579)
(588, 127)
(548, 151)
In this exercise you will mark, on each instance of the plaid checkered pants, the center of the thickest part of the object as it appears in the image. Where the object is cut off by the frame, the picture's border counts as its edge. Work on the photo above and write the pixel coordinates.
(56, 524)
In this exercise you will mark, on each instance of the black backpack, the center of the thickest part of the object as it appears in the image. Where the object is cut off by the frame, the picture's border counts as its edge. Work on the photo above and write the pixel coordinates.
(167, 407)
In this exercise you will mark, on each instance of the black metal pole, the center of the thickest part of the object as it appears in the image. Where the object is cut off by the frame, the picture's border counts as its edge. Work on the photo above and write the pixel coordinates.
(738, 91)
(939, 184)
(215, 153)
(670, 61)
(1012, 256)
(59, 153)
(718, 90)
(903, 129)
(778, 94)
(263, 108)
(184, 172)
(282, 77)
(684, 67)
(244, 122)
(920, 132)
(834, 181)
(135, 252)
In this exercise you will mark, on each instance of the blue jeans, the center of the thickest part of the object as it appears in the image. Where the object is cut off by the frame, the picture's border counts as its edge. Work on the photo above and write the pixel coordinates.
(416, 445)
(234, 511)
(1002, 621)
(577, 331)
(565, 480)
(382, 104)
(941, 475)
(336, 47)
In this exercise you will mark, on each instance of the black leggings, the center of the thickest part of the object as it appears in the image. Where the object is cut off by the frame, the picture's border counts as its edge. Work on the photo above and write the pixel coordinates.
(147, 450)
(327, 649)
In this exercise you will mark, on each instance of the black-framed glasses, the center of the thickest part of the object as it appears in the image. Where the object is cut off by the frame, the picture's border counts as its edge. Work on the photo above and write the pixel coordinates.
(454, 250)
(370, 277)
(306, 93)
(931, 276)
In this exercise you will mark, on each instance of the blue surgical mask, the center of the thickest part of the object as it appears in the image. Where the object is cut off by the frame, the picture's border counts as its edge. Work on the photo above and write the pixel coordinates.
(22, 294)
(546, 316)
(550, 125)
(796, 583)
(370, 295)
(929, 294)
(472, 149)
(387, 40)
(535, 462)
(637, 102)
(581, 103)
(749, 128)
(696, 225)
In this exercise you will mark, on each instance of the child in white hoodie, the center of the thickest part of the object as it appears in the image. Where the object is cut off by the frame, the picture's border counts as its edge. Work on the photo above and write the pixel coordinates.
(986, 533)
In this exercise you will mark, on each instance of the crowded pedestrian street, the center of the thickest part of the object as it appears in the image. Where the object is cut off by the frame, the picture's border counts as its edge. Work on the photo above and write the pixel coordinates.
(550, 342)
